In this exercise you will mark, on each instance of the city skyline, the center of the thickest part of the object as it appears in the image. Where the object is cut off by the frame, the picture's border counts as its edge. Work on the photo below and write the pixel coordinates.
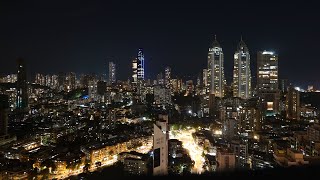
(99, 35)
(153, 88)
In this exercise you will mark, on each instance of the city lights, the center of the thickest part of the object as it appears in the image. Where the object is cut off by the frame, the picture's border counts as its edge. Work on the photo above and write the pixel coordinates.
(118, 89)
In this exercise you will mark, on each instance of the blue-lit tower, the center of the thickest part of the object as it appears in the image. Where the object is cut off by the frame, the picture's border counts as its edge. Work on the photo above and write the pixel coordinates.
(140, 64)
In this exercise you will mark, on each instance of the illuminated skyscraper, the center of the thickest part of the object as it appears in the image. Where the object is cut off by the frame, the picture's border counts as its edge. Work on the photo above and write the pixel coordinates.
(215, 81)
(267, 81)
(134, 73)
(138, 70)
(22, 86)
(167, 78)
(241, 72)
(140, 64)
(267, 72)
(112, 73)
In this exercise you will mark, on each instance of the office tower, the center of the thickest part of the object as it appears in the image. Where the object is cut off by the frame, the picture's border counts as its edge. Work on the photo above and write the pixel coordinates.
(167, 78)
(4, 108)
(267, 81)
(112, 73)
(140, 65)
(138, 71)
(160, 146)
(241, 72)
(293, 104)
(22, 86)
(216, 81)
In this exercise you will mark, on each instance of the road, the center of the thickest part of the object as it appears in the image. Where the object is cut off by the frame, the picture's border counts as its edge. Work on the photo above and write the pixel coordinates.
(195, 151)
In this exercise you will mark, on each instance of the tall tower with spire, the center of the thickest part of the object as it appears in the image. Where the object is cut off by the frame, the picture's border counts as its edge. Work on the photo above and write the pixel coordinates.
(242, 72)
(216, 80)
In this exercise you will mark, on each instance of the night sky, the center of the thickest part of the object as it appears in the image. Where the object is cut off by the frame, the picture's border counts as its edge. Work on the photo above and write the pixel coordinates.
(62, 36)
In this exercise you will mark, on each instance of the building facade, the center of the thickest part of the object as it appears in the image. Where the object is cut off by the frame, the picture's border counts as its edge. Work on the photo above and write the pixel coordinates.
(267, 81)
(293, 104)
(160, 146)
(22, 86)
(112, 73)
(215, 81)
(242, 72)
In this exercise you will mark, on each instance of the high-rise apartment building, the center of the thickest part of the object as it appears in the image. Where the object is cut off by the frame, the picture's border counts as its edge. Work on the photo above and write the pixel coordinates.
(242, 72)
(160, 146)
(167, 78)
(112, 73)
(162, 95)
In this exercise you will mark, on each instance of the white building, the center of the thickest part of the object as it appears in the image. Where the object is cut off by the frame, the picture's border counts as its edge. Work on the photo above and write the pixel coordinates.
(160, 146)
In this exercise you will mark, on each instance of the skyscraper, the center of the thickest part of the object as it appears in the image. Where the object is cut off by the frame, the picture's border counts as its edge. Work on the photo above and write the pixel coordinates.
(134, 73)
(112, 73)
(22, 86)
(293, 103)
(216, 81)
(138, 70)
(4, 107)
(167, 78)
(242, 72)
(140, 65)
(267, 81)
(267, 71)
